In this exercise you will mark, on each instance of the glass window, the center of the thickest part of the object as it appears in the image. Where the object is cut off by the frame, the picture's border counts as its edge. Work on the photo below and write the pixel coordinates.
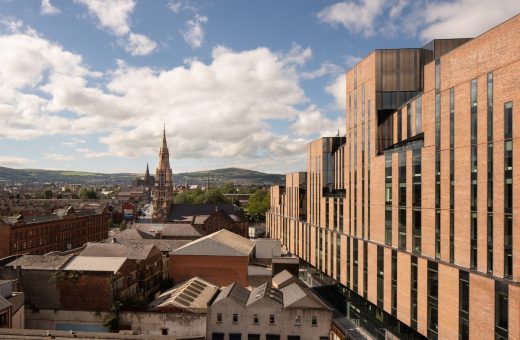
(235, 318)
(418, 115)
(314, 321)
(501, 310)
(271, 319)
(219, 317)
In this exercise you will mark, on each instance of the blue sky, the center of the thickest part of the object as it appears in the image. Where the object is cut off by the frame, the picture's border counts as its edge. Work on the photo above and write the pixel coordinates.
(88, 84)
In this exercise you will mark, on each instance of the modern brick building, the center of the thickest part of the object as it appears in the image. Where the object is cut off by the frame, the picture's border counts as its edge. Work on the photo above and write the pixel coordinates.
(62, 230)
(412, 214)
(221, 258)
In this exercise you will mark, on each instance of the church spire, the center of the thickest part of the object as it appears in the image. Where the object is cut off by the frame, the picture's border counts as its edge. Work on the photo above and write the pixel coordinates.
(164, 153)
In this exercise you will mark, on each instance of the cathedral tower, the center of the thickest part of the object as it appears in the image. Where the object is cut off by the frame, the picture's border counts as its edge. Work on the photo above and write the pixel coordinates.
(163, 190)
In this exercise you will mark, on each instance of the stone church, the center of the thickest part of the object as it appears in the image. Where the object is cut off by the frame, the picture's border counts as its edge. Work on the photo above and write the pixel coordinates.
(207, 218)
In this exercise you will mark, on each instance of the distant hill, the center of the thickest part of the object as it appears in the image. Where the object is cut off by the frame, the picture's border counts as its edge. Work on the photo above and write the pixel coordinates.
(215, 177)
(235, 175)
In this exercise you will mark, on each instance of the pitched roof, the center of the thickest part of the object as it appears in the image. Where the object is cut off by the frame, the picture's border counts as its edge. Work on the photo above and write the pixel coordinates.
(185, 212)
(236, 292)
(192, 295)
(220, 243)
(163, 245)
(40, 262)
(200, 219)
(4, 303)
(96, 264)
(133, 251)
(132, 234)
(265, 291)
(179, 230)
(285, 278)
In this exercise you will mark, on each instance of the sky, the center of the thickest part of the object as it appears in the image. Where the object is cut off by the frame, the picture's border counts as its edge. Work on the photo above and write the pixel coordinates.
(89, 84)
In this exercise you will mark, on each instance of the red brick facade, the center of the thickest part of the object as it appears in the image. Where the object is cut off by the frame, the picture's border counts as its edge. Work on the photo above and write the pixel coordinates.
(220, 270)
(41, 235)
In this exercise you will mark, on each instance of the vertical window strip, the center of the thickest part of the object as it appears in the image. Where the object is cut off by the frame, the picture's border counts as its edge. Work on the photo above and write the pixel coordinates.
(355, 258)
(413, 295)
(437, 157)
(394, 283)
(416, 200)
(501, 310)
(452, 175)
(363, 160)
(380, 276)
(368, 160)
(433, 298)
(355, 156)
(365, 269)
(418, 115)
(490, 172)
(348, 262)
(463, 305)
(402, 200)
(473, 199)
(388, 198)
(508, 190)
(409, 120)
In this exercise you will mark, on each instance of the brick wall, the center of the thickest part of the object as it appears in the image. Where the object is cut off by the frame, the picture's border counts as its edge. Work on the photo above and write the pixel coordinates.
(221, 270)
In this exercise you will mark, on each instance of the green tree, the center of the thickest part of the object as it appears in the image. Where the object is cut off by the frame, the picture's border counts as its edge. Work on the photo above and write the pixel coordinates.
(258, 205)
(86, 193)
(47, 194)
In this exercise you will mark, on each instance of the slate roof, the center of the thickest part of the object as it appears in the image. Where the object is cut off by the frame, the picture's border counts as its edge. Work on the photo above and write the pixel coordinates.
(163, 245)
(285, 278)
(96, 264)
(265, 290)
(133, 251)
(200, 219)
(4, 303)
(220, 243)
(40, 262)
(186, 212)
(235, 292)
(293, 295)
(179, 230)
(192, 295)
(133, 234)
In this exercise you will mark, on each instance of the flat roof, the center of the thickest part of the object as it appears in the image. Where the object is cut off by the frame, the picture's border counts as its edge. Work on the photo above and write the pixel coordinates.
(96, 264)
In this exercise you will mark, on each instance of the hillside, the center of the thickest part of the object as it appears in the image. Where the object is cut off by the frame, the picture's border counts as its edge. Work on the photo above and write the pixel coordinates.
(235, 175)
(215, 177)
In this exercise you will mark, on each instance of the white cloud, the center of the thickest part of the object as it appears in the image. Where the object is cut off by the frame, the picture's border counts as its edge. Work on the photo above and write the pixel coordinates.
(223, 109)
(48, 9)
(194, 31)
(73, 142)
(338, 90)
(11, 161)
(325, 69)
(88, 153)
(464, 18)
(355, 16)
(297, 55)
(313, 122)
(139, 44)
(58, 157)
(176, 6)
(351, 60)
(11, 24)
(426, 19)
(114, 16)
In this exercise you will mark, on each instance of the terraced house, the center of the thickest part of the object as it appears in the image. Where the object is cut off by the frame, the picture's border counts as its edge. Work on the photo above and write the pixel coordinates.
(412, 216)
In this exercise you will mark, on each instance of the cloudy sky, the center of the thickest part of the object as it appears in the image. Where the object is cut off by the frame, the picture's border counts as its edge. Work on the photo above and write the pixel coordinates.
(88, 84)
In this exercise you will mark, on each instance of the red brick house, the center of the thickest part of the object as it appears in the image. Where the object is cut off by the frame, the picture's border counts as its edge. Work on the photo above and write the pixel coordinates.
(64, 229)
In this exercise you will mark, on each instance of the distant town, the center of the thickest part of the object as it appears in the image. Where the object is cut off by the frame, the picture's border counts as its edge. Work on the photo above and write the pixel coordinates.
(405, 226)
